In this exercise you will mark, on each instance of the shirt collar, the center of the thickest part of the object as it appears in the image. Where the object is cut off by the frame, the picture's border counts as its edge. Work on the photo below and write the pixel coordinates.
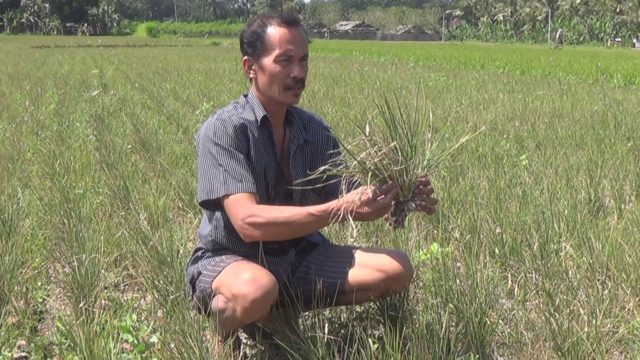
(299, 131)
(298, 126)
(255, 107)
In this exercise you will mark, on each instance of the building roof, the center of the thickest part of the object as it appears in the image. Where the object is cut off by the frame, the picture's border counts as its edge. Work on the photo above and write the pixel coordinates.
(353, 26)
(409, 29)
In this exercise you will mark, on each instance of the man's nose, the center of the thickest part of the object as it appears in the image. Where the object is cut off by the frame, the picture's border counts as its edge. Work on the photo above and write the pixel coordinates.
(299, 70)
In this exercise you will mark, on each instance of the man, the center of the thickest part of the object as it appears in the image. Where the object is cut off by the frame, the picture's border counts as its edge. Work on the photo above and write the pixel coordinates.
(260, 245)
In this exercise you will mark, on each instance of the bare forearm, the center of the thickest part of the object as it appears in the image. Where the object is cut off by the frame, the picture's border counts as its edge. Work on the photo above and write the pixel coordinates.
(255, 222)
(280, 223)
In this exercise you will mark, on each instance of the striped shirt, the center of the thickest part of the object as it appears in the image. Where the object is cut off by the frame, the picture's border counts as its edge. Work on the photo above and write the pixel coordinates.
(236, 154)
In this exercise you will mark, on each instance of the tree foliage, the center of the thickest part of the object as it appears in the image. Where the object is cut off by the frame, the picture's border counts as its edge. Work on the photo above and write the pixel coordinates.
(501, 20)
(514, 20)
(75, 11)
(8, 5)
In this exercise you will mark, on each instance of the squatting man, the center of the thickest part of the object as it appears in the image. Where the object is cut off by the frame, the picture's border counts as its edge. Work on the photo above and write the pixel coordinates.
(260, 246)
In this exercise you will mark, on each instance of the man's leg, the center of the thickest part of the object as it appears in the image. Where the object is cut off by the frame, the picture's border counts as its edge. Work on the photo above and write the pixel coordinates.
(376, 273)
(243, 293)
(343, 275)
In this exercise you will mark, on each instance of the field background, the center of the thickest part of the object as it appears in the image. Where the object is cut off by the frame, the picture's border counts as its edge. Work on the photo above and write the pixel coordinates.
(532, 253)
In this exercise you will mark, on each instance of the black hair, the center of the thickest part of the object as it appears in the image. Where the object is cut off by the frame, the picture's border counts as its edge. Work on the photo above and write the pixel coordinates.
(252, 37)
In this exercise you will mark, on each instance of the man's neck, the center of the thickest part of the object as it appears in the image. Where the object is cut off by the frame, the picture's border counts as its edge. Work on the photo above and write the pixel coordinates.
(275, 111)
(276, 115)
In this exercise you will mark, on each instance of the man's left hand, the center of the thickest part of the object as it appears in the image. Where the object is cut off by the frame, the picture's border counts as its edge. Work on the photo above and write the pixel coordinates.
(422, 196)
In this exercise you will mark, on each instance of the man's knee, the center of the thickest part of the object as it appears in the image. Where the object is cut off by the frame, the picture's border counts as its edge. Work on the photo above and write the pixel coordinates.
(253, 294)
(400, 272)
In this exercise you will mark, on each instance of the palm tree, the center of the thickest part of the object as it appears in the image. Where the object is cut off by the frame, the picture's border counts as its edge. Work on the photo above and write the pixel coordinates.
(633, 10)
(475, 9)
(548, 8)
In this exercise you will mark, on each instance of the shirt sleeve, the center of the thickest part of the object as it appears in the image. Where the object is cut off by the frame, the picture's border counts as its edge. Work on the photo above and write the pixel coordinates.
(223, 163)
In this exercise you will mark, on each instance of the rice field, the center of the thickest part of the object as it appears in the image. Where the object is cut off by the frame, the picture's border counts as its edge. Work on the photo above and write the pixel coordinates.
(531, 255)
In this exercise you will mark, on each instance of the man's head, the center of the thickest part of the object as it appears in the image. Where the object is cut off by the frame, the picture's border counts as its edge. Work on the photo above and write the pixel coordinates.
(275, 51)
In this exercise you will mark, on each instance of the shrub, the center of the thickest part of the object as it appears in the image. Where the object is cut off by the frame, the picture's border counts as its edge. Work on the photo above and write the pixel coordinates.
(126, 27)
(147, 29)
(223, 28)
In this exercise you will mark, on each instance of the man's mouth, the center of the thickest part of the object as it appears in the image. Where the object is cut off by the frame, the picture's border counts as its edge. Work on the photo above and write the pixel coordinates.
(297, 86)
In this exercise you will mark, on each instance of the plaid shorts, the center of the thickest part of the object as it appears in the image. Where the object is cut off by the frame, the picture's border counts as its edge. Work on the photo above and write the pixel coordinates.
(308, 274)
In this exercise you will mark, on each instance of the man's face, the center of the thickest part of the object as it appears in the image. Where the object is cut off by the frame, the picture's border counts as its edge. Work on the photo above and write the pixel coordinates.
(279, 77)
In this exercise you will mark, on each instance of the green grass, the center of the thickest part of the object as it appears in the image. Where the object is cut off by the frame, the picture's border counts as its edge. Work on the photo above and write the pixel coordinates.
(537, 231)
(617, 66)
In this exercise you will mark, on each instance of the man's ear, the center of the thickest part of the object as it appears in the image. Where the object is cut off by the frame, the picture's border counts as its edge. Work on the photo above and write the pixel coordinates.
(248, 65)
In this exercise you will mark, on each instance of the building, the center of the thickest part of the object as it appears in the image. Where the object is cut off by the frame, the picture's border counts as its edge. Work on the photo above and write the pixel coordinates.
(409, 33)
(353, 30)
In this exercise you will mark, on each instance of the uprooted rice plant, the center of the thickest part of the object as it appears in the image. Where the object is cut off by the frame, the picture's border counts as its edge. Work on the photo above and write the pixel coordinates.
(531, 254)
(396, 144)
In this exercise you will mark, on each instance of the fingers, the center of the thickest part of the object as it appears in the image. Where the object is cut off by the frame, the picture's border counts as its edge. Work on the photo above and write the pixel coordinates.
(422, 179)
(427, 205)
(384, 191)
(373, 202)
(423, 187)
(378, 192)
(423, 191)
(422, 195)
(382, 196)
(387, 191)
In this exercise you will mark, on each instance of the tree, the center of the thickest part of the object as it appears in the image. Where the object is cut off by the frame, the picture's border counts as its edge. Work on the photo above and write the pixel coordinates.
(103, 18)
(9, 15)
(6, 5)
(157, 9)
(323, 11)
(474, 10)
(242, 8)
(34, 14)
(73, 11)
(129, 9)
(634, 10)
(264, 6)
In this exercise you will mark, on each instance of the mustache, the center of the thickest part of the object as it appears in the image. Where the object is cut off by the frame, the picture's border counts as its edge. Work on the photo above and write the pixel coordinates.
(298, 84)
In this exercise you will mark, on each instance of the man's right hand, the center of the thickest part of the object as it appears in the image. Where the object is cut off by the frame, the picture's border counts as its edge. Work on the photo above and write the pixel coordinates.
(366, 203)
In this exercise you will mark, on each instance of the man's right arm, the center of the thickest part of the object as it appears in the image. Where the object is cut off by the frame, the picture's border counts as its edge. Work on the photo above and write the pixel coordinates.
(225, 179)
(256, 222)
